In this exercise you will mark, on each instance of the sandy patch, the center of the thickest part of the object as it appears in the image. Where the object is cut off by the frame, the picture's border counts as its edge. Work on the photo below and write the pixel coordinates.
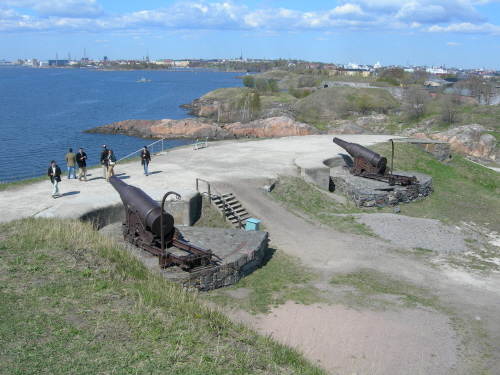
(347, 341)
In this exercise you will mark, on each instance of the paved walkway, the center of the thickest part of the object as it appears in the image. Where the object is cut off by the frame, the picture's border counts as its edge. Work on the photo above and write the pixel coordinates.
(220, 162)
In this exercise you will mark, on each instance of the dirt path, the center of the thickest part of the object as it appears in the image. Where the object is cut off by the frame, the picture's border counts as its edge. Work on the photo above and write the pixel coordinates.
(365, 341)
(369, 341)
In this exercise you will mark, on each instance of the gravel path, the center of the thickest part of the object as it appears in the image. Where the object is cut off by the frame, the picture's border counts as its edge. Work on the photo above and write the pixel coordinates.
(414, 232)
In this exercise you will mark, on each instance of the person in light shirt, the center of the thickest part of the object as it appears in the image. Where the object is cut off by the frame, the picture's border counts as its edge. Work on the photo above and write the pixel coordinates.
(54, 172)
(71, 161)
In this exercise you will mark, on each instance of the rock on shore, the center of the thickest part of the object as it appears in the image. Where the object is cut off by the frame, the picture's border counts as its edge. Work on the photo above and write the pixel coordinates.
(193, 128)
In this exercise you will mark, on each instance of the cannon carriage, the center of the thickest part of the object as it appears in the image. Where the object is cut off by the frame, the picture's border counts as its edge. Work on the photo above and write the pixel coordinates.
(148, 226)
(369, 164)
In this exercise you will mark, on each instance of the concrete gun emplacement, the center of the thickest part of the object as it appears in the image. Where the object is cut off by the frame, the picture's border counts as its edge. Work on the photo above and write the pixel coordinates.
(369, 164)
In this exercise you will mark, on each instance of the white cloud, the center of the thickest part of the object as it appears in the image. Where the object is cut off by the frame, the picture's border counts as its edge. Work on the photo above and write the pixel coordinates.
(60, 8)
(465, 28)
(440, 16)
(424, 11)
(347, 9)
(323, 39)
(453, 44)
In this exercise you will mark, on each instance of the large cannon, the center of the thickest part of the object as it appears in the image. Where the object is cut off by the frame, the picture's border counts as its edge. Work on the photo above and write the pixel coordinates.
(369, 164)
(148, 226)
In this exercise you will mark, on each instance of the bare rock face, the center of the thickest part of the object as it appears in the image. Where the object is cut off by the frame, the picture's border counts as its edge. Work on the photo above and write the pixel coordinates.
(193, 128)
(471, 140)
(371, 121)
(188, 129)
(347, 127)
(270, 127)
(140, 128)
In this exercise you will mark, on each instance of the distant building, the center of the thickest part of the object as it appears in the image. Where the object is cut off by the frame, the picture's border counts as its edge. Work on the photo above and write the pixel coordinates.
(437, 71)
(58, 62)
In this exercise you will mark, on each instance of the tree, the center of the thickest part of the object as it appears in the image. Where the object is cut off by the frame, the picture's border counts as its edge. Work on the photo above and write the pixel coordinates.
(273, 85)
(255, 102)
(364, 104)
(450, 108)
(480, 89)
(249, 81)
(307, 81)
(419, 76)
(261, 84)
(416, 100)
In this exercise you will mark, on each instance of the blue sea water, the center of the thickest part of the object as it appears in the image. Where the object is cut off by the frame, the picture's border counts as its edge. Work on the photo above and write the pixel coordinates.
(43, 112)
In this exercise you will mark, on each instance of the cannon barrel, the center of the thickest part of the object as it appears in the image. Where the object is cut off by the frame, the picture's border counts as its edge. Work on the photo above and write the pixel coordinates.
(356, 150)
(148, 210)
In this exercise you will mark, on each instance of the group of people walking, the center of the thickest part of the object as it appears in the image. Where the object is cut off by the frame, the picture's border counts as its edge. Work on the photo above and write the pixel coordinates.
(108, 162)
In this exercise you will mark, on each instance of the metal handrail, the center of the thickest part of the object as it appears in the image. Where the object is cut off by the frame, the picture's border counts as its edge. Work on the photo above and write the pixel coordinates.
(224, 202)
(139, 150)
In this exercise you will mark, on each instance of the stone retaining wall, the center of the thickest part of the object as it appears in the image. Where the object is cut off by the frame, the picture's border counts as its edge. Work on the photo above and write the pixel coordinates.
(237, 252)
(240, 252)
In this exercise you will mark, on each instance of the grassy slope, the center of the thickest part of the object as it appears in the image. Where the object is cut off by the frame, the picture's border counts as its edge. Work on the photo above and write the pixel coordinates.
(325, 105)
(464, 191)
(73, 302)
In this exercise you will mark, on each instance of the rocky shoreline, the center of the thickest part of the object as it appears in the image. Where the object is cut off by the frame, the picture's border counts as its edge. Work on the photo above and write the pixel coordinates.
(196, 129)
(472, 141)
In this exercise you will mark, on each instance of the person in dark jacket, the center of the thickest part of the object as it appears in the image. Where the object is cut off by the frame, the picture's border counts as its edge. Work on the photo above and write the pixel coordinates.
(104, 161)
(54, 172)
(145, 159)
(81, 159)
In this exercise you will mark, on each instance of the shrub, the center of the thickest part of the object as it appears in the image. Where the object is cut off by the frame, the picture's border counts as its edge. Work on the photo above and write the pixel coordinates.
(248, 81)
(261, 85)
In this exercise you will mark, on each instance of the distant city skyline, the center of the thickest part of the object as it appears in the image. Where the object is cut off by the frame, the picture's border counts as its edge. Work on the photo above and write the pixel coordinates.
(462, 34)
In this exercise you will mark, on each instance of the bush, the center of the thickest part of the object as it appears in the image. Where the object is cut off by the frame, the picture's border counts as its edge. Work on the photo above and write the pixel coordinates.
(261, 85)
(273, 85)
(248, 81)
(307, 81)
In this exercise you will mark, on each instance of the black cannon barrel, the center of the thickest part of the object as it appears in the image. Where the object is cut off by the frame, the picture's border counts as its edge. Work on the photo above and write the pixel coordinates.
(147, 208)
(356, 150)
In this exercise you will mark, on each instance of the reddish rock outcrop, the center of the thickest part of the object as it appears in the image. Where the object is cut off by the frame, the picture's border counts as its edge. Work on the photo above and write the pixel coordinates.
(271, 127)
(193, 128)
(347, 127)
(471, 140)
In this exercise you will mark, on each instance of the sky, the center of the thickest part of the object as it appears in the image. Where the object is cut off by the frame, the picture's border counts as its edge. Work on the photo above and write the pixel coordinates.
(461, 33)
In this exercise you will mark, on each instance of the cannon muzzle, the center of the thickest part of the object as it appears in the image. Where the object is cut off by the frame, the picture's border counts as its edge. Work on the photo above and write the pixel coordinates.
(358, 151)
(148, 210)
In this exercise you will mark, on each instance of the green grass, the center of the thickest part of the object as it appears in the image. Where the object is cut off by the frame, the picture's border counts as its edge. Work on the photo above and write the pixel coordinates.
(73, 302)
(333, 103)
(303, 199)
(463, 191)
(282, 278)
(211, 217)
(16, 184)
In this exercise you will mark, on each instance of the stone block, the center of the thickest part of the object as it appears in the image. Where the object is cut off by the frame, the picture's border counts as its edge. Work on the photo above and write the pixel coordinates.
(187, 210)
